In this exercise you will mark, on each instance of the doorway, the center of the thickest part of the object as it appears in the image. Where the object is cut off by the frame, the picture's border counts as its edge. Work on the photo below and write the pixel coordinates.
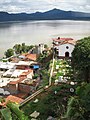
(66, 54)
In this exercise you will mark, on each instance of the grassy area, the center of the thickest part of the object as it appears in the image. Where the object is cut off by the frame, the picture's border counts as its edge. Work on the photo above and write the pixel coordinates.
(45, 77)
(63, 68)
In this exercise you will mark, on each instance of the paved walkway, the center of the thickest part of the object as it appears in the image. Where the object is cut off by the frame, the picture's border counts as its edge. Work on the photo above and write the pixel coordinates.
(31, 97)
(51, 73)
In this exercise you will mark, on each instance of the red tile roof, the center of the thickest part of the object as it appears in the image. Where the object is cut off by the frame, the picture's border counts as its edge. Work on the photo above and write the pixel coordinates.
(64, 41)
(31, 56)
(14, 99)
(26, 73)
(18, 81)
(14, 59)
(61, 39)
(73, 42)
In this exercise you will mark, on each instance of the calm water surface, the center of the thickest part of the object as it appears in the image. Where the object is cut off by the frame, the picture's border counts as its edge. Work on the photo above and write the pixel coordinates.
(35, 32)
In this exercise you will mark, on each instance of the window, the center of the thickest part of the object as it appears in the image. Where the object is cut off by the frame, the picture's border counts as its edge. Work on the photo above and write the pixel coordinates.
(67, 47)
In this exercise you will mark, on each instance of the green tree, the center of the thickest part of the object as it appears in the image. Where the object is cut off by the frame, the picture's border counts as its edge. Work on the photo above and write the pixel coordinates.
(6, 114)
(81, 59)
(42, 57)
(29, 48)
(75, 111)
(79, 106)
(18, 48)
(24, 48)
(9, 53)
(45, 46)
(13, 112)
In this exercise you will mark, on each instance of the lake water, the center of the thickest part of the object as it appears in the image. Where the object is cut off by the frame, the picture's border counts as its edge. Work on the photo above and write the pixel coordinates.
(35, 32)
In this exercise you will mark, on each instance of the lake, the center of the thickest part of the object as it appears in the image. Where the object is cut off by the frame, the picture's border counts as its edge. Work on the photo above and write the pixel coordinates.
(35, 32)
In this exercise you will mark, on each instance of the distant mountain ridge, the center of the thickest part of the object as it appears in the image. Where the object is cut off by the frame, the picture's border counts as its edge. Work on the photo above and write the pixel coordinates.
(54, 14)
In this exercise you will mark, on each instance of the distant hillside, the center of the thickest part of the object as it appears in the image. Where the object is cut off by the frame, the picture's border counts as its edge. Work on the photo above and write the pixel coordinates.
(54, 14)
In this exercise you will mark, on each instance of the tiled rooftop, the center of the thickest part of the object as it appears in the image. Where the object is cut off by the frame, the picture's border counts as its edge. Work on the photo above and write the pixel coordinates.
(64, 41)
(18, 81)
(29, 56)
(73, 42)
(28, 72)
(14, 99)
(61, 39)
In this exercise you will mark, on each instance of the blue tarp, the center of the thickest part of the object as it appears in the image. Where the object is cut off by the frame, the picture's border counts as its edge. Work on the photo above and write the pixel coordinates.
(35, 66)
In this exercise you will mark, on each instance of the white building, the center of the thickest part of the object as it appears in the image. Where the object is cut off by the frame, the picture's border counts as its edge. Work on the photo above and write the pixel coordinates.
(6, 66)
(41, 48)
(63, 47)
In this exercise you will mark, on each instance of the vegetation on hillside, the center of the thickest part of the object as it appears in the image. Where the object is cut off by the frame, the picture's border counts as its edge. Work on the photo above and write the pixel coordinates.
(9, 53)
(81, 60)
(12, 112)
(79, 105)
(52, 102)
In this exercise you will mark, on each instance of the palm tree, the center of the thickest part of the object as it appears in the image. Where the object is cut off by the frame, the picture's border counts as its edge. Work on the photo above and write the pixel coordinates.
(13, 112)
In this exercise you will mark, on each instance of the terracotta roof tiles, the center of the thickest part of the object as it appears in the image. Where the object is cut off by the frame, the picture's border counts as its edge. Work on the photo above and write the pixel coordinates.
(31, 56)
(64, 41)
(14, 99)
(73, 42)
(18, 81)
(26, 73)
(61, 39)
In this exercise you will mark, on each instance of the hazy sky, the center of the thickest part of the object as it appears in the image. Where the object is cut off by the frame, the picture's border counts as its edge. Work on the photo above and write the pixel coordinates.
(31, 6)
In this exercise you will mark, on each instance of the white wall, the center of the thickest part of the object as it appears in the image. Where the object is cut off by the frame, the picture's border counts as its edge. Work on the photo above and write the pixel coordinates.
(30, 75)
(62, 49)
(40, 48)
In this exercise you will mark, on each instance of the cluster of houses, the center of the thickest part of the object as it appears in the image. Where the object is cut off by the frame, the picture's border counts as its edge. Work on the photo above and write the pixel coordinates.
(17, 76)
